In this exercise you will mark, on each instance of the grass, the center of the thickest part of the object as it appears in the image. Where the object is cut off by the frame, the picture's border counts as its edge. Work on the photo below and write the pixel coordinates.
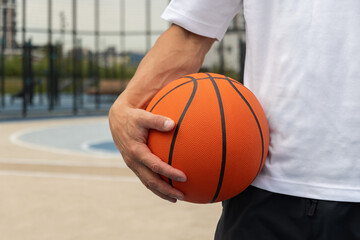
(13, 85)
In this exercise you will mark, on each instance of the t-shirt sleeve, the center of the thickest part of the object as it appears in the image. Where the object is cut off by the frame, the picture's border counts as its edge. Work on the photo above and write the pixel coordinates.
(209, 18)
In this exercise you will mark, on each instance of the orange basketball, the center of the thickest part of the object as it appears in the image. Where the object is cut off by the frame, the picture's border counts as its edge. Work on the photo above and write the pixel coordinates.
(220, 140)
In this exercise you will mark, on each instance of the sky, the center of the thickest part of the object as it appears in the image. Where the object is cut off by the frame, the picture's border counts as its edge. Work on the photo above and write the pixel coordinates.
(37, 17)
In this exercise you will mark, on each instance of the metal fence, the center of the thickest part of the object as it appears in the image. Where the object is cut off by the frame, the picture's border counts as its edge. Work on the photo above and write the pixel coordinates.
(75, 56)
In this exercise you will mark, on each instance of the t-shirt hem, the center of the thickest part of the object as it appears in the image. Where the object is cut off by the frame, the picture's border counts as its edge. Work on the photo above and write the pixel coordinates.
(328, 193)
(192, 25)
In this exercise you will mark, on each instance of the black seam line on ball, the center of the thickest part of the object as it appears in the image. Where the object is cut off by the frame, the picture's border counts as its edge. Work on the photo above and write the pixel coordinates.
(187, 83)
(223, 129)
(257, 122)
(179, 123)
(170, 92)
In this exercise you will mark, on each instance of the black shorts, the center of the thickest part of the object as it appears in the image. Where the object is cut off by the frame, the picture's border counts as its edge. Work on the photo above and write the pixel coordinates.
(256, 214)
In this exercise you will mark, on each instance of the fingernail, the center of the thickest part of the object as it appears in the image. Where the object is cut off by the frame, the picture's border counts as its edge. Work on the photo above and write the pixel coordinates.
(169, 124)
(181, 179)
(179, 197)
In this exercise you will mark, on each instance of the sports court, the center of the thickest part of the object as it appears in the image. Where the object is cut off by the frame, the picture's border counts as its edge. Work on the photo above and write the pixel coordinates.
(64, 179)
(61, 176)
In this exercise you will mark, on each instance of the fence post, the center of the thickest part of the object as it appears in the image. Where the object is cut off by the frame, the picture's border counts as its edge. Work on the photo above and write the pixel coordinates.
(24, 105)
(242, 47)
(3, 39)
(29, 93)
(148, 25)
(74, 77)
(97, 50)
(79, 72)
(50, 73)
(122, 54)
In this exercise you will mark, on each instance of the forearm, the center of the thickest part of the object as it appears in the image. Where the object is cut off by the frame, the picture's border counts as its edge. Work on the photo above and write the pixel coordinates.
(177, 52)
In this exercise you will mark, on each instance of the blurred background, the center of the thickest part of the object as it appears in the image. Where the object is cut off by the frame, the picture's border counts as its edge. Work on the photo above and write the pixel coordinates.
(74, 57)
(62, 64)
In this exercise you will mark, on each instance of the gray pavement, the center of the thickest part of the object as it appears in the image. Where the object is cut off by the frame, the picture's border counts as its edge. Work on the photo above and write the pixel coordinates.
(63, 179)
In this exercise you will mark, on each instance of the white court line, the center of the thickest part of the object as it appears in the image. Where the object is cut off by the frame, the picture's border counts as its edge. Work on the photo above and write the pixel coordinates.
(69, 176)
(15, 139)
(64, 163)
(86, 147)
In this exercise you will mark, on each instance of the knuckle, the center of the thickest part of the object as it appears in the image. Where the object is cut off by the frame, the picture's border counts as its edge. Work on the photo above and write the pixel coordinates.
(129, 163)
(157, 121)
(133, 150)
(151, 184)
(137, 173)
(155, 167)
(141, 116)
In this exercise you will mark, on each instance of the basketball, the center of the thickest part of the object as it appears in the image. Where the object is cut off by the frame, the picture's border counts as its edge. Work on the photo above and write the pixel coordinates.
(220, 140)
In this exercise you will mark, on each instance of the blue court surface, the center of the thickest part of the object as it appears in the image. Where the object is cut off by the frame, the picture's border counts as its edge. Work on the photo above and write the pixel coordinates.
(83, 138)
(85, 104)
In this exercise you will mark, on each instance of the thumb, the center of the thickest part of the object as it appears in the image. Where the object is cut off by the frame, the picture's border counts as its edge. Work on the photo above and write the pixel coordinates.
(157, 122)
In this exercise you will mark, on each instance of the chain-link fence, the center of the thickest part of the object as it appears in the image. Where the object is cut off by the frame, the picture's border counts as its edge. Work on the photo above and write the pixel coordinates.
(76, 56)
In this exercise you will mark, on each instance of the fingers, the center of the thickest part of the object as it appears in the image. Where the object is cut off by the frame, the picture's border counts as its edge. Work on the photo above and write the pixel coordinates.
(153, 182)
(157, 122)
(130, 128)
(144, 156)
(142, 153)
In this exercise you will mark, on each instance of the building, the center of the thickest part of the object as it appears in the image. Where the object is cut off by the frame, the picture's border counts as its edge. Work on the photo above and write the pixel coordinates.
(8, 23)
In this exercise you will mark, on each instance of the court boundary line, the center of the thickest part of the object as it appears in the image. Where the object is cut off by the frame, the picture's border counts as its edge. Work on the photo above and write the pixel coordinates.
(15, 139)
(62, 162)
(86, 147)
(37, 174)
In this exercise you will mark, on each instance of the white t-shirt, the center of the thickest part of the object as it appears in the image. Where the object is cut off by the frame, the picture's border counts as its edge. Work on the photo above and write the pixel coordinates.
(303, 64)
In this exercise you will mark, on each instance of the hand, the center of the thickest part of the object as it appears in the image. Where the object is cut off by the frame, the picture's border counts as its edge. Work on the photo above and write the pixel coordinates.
(177, 52)
(129, 127)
